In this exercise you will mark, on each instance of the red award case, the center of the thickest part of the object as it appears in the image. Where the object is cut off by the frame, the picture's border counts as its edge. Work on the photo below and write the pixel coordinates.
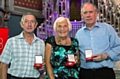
(71, 60)
(88, 54)
(38, 61)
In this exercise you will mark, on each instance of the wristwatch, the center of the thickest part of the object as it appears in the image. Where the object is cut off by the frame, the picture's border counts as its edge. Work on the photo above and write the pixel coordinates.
(107, 56)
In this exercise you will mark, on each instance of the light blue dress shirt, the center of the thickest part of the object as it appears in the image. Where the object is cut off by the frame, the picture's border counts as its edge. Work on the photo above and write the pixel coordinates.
(21, 55)
(101, 39)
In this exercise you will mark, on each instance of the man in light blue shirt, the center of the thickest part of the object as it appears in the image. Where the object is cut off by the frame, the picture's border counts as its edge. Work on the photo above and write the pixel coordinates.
(20, 52)
(99, 45)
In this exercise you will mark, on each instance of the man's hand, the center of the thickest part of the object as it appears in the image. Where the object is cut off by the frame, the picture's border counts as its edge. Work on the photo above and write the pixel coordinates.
(100, 57)
(43, 66)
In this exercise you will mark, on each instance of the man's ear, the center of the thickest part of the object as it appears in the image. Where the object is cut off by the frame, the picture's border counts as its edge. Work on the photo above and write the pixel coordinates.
(36, 24)
(21, 24)
(81, 16)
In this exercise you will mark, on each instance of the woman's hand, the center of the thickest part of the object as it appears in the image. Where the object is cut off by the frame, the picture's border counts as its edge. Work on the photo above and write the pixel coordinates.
(77, 61)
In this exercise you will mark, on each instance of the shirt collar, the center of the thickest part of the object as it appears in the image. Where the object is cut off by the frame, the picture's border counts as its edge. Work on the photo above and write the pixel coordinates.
(96, 25)
(20, 36)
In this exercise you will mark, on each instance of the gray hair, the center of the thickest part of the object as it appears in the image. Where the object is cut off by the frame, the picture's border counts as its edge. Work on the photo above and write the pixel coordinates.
(22, 19)
(95, 8)
(60, 19)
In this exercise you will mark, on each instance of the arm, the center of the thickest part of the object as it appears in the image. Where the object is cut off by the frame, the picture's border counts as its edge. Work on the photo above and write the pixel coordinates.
(4, 70)
(114, 39)
(100, 57)
(77, 58)
(112, 47)
(49, 68)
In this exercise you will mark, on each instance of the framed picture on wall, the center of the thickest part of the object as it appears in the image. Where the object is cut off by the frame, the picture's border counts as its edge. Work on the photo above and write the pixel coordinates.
(22, 6)
(1, 18)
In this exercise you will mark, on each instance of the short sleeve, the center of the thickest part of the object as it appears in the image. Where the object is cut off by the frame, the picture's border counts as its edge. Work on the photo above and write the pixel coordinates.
(49, 39)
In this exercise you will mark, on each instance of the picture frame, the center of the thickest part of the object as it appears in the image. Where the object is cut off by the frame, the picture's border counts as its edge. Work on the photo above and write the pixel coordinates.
(23, 6)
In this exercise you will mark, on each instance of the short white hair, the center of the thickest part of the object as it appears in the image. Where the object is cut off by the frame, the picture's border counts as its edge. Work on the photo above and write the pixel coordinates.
(60, 19)
(28, 13)
(95, 8)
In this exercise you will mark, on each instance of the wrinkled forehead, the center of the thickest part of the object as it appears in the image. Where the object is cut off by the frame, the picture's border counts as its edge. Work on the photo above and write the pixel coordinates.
(88, 7)
(29, 17)
(62, 21)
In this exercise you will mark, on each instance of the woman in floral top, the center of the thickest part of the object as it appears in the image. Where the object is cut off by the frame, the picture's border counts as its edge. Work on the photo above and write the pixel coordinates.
(58, 50)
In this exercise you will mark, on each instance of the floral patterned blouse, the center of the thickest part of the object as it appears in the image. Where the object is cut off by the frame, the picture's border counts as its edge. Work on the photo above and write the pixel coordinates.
(59, 59)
